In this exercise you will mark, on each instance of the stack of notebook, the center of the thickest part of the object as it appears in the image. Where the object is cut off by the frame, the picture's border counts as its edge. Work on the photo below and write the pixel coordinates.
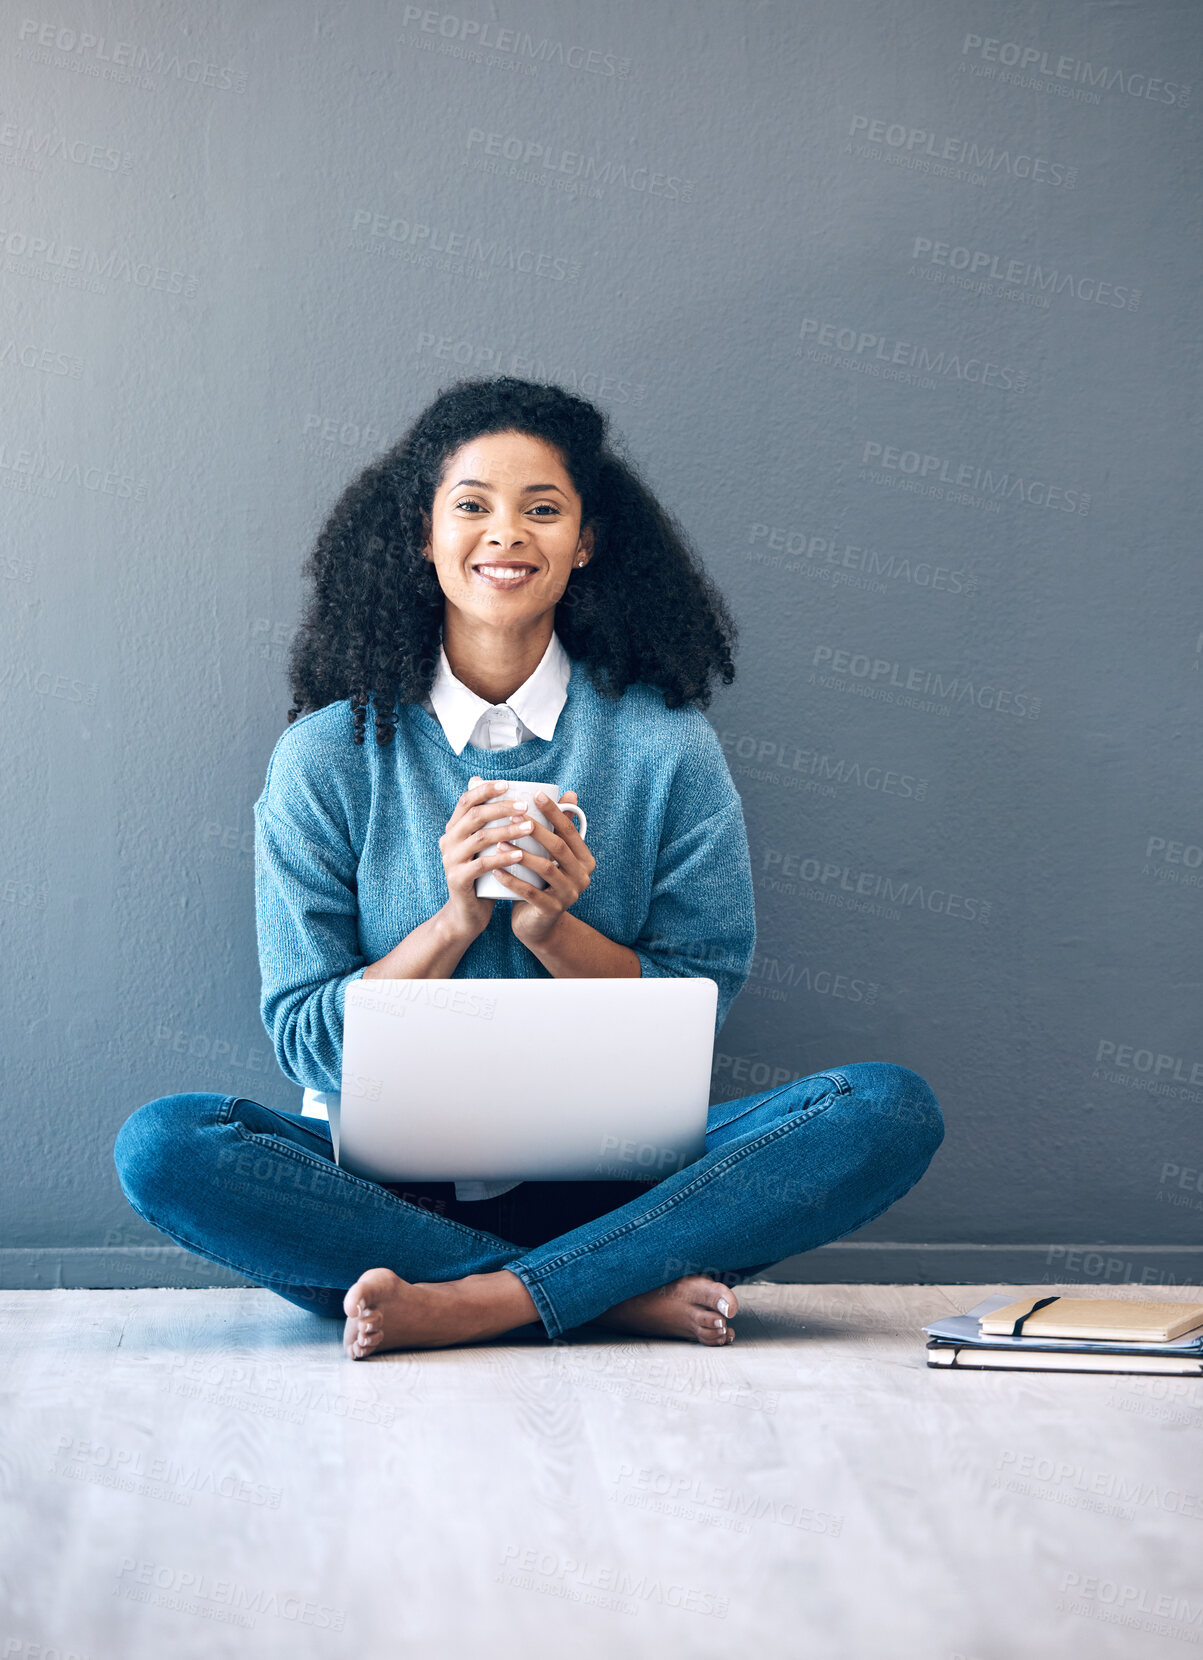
(1071, 1334)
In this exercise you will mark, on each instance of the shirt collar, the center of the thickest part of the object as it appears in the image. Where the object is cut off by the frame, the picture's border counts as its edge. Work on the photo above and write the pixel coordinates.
(537, 702)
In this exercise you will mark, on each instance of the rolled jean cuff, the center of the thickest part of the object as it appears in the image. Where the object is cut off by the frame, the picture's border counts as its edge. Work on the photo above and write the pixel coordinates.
(543, 1304)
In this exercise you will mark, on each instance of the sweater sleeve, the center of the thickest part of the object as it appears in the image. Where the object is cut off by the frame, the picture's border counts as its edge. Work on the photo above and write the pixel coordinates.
(701, 917)
(306, 913)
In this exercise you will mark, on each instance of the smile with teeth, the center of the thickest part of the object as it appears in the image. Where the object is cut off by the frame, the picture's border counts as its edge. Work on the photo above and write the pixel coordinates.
(507, 576)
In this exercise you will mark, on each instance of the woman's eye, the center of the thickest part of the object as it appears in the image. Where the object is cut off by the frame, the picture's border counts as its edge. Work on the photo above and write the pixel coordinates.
(539, 508)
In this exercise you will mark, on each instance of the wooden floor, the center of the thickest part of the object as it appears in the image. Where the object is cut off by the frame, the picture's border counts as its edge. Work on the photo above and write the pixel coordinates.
(203, 1473)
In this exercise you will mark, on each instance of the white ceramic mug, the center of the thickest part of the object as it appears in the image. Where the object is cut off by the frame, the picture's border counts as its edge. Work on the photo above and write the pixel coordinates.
(487, 886)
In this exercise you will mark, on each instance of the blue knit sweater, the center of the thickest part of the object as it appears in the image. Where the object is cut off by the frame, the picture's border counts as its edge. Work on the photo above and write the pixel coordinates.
(347, 860)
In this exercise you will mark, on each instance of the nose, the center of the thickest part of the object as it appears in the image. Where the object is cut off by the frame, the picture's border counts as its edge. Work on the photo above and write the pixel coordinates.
(506, 533)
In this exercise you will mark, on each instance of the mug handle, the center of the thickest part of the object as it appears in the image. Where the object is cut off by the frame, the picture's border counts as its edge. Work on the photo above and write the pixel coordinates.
(573, 807)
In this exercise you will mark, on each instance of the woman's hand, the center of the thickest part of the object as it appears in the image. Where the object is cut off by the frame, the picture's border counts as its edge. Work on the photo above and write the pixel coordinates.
(465, 836)
(534, 920)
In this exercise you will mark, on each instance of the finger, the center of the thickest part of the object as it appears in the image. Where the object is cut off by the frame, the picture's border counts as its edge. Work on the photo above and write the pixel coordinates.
(484, 789)
(548, 869)
(465, 868)
(543, 900)
(497, 807)
(526, 889)
(562, 823)
(468, 824)
(560, 885)
(503, 854)
(539, 864)
(559, 853)
(482, 792)
(476, 841)
(462, 876)
(579, 866)
(541, 834)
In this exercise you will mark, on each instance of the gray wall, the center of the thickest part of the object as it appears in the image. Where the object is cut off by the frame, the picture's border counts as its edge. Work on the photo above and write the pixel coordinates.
(897, 305)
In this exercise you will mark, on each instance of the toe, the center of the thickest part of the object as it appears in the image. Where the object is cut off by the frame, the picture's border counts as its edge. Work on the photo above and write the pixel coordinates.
(362, 1347)
(713, 1295)
(710, 1328)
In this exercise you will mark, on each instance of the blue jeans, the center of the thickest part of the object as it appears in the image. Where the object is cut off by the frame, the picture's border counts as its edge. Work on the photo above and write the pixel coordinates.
(783, 1171)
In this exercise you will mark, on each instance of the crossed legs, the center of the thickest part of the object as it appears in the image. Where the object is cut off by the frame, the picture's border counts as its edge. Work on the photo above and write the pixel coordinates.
(783, 1171)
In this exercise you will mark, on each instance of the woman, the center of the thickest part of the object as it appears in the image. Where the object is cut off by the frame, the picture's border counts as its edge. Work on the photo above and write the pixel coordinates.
(509, 601)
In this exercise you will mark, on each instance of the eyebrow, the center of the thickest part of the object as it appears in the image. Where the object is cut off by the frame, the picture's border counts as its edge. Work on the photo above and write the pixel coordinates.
(480, 484)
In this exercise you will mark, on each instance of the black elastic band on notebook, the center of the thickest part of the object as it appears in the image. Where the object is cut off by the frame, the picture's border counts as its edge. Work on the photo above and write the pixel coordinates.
(1017, 1328)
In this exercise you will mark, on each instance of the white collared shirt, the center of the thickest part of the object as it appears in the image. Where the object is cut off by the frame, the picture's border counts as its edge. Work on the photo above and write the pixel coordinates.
(530, 712)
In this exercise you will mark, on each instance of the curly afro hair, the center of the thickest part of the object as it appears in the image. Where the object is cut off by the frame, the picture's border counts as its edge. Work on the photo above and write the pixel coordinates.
(642, 609)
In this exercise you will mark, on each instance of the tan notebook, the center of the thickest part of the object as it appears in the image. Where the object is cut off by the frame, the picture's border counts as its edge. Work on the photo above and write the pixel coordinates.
(1093, 1318)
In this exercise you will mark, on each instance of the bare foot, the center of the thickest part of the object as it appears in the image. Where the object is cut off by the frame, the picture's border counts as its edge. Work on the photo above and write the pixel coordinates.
(386, 1312)
(694, 1307)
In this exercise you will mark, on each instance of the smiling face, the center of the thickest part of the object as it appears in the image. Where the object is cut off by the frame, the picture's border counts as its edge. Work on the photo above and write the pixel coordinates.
(505, 530)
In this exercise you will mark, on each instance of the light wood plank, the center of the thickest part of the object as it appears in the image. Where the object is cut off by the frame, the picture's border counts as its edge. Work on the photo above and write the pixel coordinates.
(812, 1489)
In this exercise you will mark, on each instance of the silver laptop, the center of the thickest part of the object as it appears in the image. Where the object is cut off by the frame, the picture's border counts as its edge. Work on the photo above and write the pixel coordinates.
(530, 1080)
